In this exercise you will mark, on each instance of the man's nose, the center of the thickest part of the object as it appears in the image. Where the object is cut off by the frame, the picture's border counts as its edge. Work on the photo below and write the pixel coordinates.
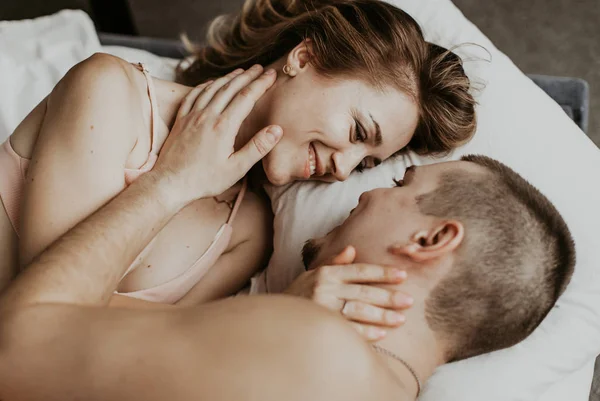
(365, 196)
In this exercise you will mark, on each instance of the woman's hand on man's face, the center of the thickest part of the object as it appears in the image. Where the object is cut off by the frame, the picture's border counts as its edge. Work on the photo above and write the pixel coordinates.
(198, 157)
(351, 289)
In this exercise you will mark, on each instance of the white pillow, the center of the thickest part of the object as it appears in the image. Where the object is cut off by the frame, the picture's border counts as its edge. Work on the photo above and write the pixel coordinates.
(34, 56)
(522, 127)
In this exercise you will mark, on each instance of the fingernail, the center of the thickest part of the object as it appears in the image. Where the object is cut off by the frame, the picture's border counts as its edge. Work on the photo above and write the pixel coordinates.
(256, 67)
(375, 332)
(270, 71)
(403, 300)
(208, 82)
(274, 133)
(395, 318)
(401, 274)
(237, 71)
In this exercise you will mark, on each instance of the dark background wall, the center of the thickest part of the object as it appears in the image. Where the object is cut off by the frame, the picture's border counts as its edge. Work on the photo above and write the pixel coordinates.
(554, 37)
(15, 9)
(108, 15)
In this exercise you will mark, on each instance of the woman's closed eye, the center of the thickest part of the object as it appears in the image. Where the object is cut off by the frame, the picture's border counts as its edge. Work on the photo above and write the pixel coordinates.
(368, 162)
(360, 135)
(362, 166)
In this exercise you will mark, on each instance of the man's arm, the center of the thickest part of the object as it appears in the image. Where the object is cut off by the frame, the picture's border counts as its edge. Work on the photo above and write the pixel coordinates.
(85, 265)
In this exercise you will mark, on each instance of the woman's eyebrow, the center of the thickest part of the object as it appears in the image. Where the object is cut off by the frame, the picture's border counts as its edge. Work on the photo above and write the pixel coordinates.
(378, 136)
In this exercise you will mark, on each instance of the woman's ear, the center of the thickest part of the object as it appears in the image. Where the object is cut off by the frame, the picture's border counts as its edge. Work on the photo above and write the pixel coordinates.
(434, 243)
(299, 57)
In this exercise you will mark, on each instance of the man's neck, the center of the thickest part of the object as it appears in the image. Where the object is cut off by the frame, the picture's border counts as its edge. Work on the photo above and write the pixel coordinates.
(414, 343)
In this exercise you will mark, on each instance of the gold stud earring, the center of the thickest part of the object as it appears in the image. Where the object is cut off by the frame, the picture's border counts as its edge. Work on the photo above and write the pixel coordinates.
(287, 69)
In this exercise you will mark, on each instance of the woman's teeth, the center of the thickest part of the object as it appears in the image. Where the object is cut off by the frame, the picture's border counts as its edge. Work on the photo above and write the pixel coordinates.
(311, 160)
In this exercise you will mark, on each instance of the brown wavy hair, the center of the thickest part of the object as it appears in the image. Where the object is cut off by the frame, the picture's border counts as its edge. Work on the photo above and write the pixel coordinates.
(366, 39)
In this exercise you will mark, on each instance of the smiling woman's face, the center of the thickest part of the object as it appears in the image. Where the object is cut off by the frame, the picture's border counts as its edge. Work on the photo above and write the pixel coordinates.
(332, 126)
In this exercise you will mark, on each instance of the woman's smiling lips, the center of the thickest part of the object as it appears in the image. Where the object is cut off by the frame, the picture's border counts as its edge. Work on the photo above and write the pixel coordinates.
(310, 166)
(313, 166)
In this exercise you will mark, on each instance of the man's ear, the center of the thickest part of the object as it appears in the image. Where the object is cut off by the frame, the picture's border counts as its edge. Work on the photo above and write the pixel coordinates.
(434, 243)
(299, 57)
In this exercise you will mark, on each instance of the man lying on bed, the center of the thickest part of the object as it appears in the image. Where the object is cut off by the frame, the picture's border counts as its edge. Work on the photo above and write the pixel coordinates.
(486, 256)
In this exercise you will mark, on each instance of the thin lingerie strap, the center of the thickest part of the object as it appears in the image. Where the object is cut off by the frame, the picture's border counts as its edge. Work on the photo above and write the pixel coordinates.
(153, 105)
(238, 201)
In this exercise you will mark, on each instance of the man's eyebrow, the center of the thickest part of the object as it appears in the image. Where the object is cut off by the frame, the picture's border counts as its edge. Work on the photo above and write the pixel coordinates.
(411, 170)
(378, 136)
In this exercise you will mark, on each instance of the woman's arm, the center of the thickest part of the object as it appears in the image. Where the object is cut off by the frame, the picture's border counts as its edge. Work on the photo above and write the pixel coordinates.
(251, 246)
(92, 120)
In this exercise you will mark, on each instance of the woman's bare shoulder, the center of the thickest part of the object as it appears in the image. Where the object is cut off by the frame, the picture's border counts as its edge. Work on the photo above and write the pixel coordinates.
(100, 66)
(104, 73)
(82, 81)
(254, 221)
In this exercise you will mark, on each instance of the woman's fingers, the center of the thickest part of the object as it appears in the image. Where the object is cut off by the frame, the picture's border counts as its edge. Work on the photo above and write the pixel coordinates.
(382, 297)
(244, 101)
(368, 332)
(362, 273)
(205, 96)
(256, 148)
(361, 312)
(190, 99)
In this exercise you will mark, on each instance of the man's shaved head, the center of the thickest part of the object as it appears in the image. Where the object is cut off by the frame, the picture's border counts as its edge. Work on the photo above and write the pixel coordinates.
(491, 252)
(516, 260)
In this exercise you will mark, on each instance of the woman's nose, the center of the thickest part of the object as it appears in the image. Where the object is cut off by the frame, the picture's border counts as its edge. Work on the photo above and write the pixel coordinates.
(342, 166)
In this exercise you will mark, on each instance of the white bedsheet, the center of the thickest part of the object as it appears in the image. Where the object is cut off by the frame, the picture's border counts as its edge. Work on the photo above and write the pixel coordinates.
(575, 387)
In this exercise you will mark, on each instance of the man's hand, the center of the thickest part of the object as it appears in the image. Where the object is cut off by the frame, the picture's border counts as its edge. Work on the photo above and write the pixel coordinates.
(351, 289)
(198, 157)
